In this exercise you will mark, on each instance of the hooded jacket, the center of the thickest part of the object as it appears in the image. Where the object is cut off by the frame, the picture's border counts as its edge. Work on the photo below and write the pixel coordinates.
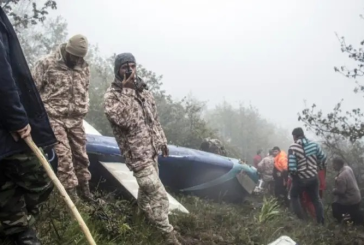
(20, 102)
(64, 90)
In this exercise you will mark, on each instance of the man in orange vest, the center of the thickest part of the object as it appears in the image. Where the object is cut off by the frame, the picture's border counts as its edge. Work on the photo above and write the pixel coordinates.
(280, 174)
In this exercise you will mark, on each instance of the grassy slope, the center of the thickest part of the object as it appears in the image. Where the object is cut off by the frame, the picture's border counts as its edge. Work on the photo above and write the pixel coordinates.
(209, 223)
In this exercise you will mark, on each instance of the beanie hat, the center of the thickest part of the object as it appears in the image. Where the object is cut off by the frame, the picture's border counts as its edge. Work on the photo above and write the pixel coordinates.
(121, 59)
(77, 45)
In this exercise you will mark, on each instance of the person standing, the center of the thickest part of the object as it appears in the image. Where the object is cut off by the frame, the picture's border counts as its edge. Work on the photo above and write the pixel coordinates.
(132, 113)
(24, 184)
(62, 79)
(280, 175)
(257, 158)
(265, 167)
(305, 159)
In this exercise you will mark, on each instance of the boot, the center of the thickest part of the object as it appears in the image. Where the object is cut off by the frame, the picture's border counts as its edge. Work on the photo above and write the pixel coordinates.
(171, 238)
(86, 195)
(72, 192)
(27, 237)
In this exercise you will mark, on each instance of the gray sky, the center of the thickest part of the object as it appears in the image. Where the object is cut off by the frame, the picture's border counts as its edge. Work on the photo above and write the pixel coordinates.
(272, 54)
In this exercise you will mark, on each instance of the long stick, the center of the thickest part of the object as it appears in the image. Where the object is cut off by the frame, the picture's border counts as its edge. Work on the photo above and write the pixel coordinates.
(61, 189)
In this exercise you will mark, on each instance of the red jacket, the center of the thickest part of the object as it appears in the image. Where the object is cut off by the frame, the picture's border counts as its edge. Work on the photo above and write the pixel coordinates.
(257, 160)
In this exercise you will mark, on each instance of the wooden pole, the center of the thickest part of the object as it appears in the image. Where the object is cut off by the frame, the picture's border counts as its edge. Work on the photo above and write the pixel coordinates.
(61, 189)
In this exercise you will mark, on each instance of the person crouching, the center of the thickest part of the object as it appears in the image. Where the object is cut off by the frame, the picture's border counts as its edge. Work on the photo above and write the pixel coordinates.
(347, 197)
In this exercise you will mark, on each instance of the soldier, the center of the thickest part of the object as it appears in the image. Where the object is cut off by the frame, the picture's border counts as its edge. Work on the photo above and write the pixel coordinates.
(213, 146)
(62, 78)
(265, 167)
(24, 184)
(131, 111)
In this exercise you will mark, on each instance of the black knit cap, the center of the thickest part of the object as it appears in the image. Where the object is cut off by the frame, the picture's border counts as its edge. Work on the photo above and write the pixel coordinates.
(120, 60)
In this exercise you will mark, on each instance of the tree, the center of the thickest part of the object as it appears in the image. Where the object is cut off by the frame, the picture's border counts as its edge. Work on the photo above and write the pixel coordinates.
(341, 131)
(38, 41)
(20, 17)
(182, 120)
(102, 74)
(350, 124)
(244, 130)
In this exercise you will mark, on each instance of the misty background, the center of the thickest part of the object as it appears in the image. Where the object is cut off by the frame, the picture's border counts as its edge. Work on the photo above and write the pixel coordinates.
(273, 55)
(239, 71)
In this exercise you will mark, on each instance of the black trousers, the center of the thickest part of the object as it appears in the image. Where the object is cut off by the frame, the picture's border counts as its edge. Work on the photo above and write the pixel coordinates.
(280, 187)
(356, 215)
(311, 187)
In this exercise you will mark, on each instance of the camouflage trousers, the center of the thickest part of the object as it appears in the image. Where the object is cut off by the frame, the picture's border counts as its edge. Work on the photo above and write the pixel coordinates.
(73, 161)
(24, 185)
(152, 197)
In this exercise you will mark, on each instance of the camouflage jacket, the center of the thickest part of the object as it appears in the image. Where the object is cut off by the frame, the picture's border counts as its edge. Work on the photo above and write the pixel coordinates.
(265, 167)
(64, 91)
(133, 118)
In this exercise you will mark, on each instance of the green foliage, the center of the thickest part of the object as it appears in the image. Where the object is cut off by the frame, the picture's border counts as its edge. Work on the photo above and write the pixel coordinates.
(38, 42)
(341, 132)
(186, 123)
(242, 130)
(269, 211)
(102, 76)
(209, 223)
(349, 124)
(24, 18)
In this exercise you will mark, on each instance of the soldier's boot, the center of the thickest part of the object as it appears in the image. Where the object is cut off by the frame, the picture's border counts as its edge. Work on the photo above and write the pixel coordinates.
(27, 237)
(171, 238)
(72, 192)
(86, 195)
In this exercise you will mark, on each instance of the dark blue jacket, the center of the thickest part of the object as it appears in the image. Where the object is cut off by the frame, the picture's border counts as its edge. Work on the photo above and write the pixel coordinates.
(20, 102)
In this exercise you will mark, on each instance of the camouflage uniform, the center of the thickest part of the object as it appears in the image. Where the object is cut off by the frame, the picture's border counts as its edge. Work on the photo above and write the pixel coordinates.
(152, 197)
(24, 185)
(213, 146)
(64, 92)
(73, 161)
(133, 118)
(265, 167)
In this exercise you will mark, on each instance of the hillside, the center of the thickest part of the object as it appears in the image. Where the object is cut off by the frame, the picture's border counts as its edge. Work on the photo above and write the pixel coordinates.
(209, 223)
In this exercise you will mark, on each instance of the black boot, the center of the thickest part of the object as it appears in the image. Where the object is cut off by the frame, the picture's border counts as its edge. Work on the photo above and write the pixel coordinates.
(27, 237)
(86, 195)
